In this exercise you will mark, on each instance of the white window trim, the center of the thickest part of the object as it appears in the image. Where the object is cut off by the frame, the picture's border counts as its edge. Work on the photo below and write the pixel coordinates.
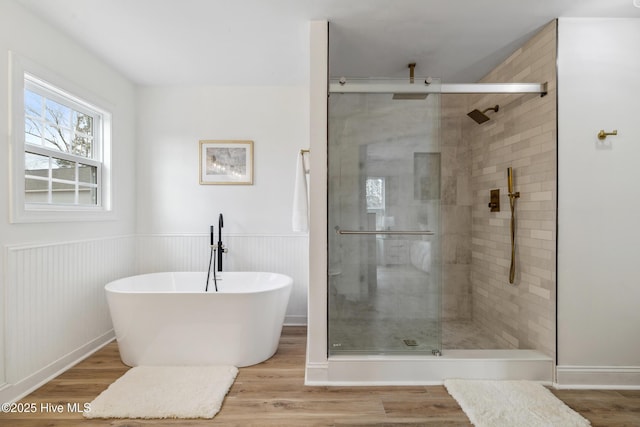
(20, 212)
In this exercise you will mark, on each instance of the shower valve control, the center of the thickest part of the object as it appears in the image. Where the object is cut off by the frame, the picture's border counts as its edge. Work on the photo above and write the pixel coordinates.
(494, 200)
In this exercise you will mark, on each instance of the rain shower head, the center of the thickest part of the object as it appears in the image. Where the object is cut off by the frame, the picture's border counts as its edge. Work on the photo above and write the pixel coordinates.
(480, 116)
(416, 95)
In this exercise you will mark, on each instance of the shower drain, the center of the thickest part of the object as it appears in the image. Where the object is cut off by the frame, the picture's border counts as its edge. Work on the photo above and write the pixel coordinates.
(410, 343)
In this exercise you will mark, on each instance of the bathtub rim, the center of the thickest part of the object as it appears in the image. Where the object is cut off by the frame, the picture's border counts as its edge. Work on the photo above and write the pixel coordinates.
(287, 281)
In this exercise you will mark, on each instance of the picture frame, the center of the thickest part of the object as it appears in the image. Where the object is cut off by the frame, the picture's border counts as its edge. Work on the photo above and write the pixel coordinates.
(225, 162)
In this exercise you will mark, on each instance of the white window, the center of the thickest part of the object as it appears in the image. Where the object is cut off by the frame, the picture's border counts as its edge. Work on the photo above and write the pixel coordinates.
(375, 196)
(60, 161)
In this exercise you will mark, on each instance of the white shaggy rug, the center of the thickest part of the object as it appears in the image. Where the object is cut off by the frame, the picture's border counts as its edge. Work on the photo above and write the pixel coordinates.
(165, 392)
(512, 403)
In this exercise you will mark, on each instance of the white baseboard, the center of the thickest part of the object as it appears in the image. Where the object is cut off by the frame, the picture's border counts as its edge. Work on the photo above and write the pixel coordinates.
(598, 377)
(316, 374)
(13, 392)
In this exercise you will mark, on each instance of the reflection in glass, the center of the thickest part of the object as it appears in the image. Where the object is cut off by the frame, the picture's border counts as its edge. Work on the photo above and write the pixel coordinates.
(375, 193)
(384, 289)
(426, 176)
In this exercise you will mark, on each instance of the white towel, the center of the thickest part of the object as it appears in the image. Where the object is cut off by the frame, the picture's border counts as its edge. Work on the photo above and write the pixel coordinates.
(300, 219)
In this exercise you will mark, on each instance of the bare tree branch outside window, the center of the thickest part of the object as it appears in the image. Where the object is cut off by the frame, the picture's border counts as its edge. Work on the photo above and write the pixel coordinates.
(57, 126)
(61, 163)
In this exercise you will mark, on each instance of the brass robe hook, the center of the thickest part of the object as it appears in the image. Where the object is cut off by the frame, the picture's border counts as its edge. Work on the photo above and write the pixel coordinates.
(603, 135)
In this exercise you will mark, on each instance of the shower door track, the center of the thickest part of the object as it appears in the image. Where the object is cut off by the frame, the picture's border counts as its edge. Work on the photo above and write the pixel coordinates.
(452, 88)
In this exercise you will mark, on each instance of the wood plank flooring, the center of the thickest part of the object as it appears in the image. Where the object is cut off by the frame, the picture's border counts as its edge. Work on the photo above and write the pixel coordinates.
(273, 394)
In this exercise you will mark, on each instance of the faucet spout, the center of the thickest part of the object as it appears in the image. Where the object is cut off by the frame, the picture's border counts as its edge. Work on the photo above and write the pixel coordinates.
(220, 245)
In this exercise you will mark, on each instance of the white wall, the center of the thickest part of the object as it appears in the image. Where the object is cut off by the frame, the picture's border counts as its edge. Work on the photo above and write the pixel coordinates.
(598, 202)
(49, 249)
(317, 364)
(172, 205)
(171, 122)
(57, 311)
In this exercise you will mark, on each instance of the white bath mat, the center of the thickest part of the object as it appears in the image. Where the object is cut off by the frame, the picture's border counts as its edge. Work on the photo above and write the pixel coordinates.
(512, 403)
(165, 392)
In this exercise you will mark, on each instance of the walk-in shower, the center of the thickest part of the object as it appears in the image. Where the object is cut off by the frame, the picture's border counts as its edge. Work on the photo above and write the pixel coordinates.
(390, 231)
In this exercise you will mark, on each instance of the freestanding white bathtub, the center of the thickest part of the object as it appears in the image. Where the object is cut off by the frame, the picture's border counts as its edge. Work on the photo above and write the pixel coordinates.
(168, 319)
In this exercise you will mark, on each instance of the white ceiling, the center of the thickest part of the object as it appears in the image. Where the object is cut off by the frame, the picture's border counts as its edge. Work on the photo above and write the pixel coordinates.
(265, 42)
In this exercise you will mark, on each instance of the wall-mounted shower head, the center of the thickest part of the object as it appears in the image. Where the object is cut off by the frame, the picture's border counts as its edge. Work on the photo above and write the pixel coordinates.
(412, 67)
(480, 116)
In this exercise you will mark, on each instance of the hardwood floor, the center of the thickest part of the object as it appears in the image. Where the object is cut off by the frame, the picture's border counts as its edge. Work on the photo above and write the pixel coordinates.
(273, 394)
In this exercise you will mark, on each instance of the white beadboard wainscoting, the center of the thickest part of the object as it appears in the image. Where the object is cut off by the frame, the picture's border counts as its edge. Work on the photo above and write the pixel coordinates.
(285, 254)
(55, 305)
(56, 309)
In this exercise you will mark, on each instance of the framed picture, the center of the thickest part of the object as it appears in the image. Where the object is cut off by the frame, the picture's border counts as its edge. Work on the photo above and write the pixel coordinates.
(226, 162)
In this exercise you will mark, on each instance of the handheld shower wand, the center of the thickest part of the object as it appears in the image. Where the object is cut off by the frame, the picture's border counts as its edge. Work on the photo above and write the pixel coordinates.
(215, 282)
(510, 179)
(512, 203)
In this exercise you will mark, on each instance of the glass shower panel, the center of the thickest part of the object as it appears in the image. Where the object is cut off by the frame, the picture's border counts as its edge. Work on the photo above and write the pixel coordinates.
(384, 216)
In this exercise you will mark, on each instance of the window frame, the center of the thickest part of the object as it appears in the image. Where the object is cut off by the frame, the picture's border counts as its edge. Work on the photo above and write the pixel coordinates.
(27, 74)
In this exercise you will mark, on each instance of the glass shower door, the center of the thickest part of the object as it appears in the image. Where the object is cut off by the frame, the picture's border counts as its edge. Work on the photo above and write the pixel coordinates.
(384, 216)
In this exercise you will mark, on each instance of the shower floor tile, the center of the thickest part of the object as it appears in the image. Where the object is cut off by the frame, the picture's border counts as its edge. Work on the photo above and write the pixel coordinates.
(465, 335)
(399, 317)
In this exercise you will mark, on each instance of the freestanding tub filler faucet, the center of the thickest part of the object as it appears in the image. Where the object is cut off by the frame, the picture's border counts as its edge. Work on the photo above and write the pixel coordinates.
(213, 249)
(221, 247)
